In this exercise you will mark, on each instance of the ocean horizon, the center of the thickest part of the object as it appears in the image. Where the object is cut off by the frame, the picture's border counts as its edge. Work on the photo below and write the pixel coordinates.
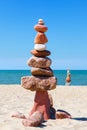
(78, 77)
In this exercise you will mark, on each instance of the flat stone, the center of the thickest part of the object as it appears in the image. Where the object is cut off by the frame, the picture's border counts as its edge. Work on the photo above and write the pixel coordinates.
(40, 28)
(38, 83)
(18, 115)
(61, 114)
(40, 38)
(39, 62)
(40, 53)
(41, 72)
(40, 47)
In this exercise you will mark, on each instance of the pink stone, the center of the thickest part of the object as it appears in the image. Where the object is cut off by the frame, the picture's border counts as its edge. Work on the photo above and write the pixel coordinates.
(42, 104)
(34, 83)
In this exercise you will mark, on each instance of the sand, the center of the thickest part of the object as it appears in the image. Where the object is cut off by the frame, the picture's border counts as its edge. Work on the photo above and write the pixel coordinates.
(72, 99)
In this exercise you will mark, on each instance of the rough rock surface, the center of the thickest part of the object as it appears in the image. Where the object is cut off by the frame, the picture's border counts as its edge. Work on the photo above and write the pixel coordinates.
(39, 62)
(41, 72)
(38, 83)
(34, 120)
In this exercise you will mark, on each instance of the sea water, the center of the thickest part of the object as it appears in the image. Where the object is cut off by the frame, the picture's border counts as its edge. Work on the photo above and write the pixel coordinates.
(78, 77)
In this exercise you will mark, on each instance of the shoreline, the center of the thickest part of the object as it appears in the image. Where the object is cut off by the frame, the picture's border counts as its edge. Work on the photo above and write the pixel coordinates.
(78, 77)
(56, 85)
(69, 98)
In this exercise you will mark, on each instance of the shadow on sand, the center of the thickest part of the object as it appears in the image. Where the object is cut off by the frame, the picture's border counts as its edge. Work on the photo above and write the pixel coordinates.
(77, 118)
(80, 118)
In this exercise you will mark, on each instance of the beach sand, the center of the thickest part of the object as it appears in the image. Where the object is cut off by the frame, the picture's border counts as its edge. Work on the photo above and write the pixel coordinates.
(72, 99)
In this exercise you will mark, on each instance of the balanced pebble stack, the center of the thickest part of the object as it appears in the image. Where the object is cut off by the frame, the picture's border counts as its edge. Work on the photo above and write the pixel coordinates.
(42, 78)
(68, 78)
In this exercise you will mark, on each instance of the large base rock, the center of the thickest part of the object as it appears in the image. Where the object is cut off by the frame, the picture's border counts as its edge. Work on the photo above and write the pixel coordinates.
(42, 104)
(34, 83)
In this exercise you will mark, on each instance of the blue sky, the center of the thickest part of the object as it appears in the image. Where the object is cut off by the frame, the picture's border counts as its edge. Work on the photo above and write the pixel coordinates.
(67, 32)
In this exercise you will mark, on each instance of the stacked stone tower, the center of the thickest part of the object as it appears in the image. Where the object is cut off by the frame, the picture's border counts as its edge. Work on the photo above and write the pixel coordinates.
(68, 78)
(42, 78)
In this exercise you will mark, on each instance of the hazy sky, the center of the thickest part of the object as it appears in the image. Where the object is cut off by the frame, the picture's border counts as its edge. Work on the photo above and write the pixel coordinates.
(67, 32)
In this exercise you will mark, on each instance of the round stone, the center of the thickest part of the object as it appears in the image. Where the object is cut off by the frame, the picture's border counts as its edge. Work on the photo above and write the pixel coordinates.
(40, 47)
(40, 21)
(40, 38)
